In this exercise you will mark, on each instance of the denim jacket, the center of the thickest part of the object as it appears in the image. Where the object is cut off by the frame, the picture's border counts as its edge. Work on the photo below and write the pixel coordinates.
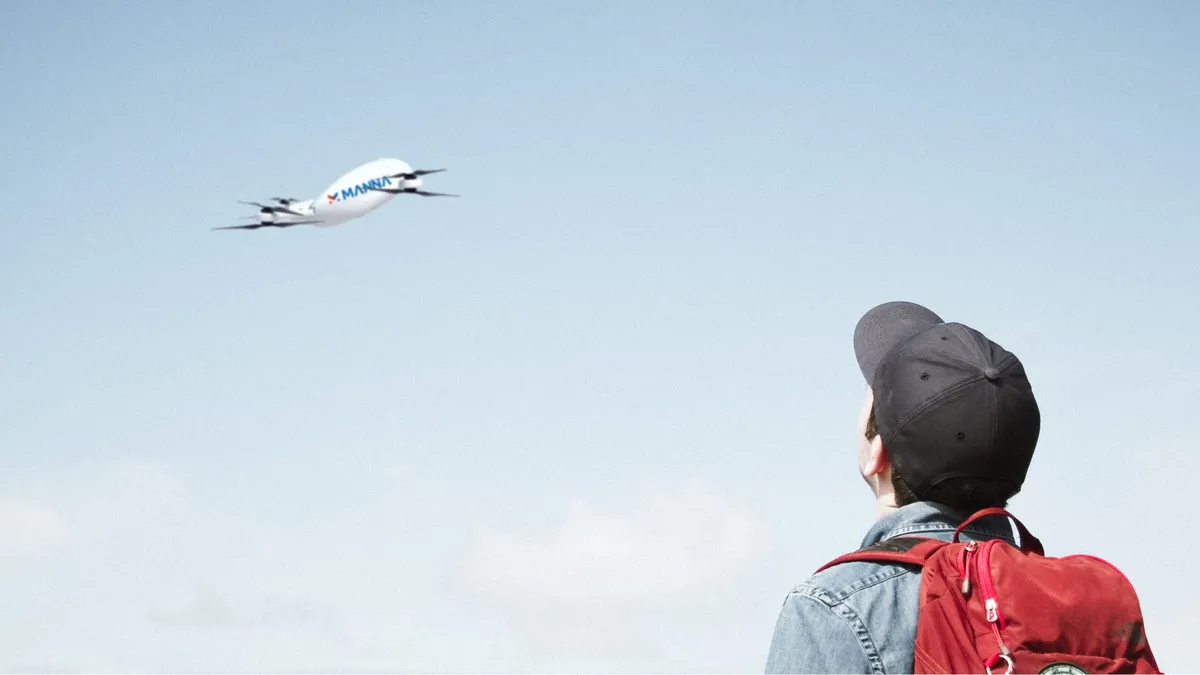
(861, 617)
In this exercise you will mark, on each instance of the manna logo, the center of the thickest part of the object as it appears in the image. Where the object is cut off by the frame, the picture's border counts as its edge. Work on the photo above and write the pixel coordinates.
(361, 188)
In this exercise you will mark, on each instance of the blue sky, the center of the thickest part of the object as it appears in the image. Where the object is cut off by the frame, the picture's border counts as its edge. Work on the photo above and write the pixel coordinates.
(597, 414)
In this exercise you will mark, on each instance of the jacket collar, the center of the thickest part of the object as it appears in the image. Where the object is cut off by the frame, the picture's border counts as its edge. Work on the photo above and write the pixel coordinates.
(938, 521)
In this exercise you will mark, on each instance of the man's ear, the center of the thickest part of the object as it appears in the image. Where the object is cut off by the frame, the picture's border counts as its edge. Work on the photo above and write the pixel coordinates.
(877, 458)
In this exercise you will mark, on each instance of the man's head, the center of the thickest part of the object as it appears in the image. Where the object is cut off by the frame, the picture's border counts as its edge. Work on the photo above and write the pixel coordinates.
(950, 415)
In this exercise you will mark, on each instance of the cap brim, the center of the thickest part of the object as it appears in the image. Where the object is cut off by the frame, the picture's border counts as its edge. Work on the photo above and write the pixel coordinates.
(886, 326)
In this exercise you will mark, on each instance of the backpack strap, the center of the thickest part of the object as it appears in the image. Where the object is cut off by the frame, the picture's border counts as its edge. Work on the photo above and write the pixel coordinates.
(1028, 541)
(909, 550)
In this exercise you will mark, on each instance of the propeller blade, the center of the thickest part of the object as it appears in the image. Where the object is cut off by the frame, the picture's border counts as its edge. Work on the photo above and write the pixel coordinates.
(417, 174)
(412, 191)
(255, 226)
(273, 209)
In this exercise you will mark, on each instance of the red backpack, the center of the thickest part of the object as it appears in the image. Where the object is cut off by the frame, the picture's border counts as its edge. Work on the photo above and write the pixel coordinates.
(989, 604)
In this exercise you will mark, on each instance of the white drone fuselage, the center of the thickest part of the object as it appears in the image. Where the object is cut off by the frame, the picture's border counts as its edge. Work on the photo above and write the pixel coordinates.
(353, 195)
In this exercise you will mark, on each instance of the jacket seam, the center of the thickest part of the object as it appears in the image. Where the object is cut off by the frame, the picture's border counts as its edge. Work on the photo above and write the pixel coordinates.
(888, 573)
(853, 621)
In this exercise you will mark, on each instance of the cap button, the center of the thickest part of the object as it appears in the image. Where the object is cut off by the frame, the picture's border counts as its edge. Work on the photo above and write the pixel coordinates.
(991, 373)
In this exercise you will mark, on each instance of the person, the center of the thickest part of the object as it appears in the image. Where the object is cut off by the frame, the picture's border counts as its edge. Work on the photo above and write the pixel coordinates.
(948, 427)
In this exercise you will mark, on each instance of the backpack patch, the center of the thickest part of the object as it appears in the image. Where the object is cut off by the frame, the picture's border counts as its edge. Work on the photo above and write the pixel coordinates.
(1062, 668)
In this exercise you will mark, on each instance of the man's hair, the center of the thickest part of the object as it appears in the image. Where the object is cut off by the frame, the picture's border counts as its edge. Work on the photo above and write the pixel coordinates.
(963, 494)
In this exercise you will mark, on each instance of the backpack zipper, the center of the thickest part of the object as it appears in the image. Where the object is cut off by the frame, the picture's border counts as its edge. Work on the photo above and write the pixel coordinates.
(964, 566)
(991, 601)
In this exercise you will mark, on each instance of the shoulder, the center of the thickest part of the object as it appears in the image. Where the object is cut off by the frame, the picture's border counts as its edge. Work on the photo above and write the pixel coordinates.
(852, 617)
(841, 583)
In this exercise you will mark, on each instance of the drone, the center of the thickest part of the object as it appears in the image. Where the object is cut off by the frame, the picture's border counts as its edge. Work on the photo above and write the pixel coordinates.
(353, 195)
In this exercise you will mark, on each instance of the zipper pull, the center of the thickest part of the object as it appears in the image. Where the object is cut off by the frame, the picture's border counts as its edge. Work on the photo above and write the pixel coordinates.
(992, 614)
(966, 584)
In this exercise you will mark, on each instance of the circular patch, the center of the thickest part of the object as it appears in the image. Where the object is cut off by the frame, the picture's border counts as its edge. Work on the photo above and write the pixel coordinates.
(1062, 668)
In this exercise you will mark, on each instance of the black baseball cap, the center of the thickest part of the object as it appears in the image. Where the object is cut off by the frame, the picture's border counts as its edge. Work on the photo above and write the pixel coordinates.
(949, 402)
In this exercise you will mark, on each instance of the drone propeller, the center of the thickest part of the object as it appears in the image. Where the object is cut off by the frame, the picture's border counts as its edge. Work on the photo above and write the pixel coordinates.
(416, 174)
(255, 226)
(412, 191)
(272, 209)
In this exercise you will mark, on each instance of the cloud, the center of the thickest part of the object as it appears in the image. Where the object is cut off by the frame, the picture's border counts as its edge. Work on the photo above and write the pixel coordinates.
(85, 507)
(209, 609)
(633, 589)
(675, 542)
(29, 528)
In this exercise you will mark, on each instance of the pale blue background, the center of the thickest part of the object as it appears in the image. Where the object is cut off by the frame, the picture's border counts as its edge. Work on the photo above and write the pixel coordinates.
(274, 450)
